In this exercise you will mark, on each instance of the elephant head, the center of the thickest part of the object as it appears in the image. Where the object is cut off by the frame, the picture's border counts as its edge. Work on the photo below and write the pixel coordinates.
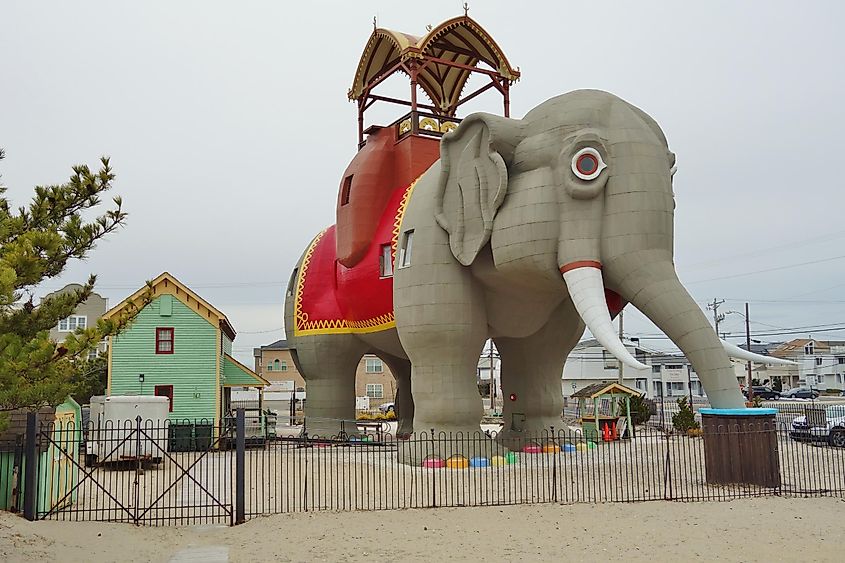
(580, 189)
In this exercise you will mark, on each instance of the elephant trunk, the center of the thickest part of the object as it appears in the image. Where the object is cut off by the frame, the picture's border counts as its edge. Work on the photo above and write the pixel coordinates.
(648, 280)
(586, 288)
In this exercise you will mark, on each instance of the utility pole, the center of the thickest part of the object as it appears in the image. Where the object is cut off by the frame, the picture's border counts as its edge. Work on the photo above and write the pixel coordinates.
(618, 363)
(492, 382)
(717, 318)
(748, 347)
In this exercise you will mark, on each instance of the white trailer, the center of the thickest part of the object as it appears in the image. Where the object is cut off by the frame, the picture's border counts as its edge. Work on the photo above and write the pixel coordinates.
(112, 435)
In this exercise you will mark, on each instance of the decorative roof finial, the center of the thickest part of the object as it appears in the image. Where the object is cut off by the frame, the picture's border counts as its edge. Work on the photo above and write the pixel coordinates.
(375, 22)
(428, 27)
(466, 8)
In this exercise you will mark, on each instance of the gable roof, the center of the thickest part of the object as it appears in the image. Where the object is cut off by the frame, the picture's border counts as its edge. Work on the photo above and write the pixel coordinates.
(597, 389)
(235, 373)
(166, 284)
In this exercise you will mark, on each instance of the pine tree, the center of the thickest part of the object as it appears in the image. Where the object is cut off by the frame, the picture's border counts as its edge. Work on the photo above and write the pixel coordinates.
(36, 243)
(684, 419)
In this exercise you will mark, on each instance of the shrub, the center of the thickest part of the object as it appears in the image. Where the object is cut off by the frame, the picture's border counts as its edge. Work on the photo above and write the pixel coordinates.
(641, 409)
(684, 419)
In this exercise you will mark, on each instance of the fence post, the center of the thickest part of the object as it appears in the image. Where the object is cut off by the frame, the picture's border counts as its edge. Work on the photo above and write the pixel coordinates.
(30, 492)
(554, 443)
(240, 465)
(138, 469)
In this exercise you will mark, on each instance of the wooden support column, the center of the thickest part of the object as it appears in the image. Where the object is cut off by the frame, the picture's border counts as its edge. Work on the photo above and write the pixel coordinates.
(361, 120)
(415, 120)
(506, 87)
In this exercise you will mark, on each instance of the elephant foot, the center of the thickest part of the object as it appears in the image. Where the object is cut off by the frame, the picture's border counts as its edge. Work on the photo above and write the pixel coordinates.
(332, 429)
(405, 429)
(456, 446)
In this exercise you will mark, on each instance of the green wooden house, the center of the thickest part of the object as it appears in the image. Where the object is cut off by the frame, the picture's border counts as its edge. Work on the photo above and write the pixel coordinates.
(179, 346)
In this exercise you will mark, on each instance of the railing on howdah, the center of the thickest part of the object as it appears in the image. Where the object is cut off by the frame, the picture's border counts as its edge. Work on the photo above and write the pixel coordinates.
(424, 124)
(188, 472)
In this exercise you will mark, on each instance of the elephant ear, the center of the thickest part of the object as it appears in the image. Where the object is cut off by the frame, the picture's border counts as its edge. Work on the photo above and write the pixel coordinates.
(474, 162)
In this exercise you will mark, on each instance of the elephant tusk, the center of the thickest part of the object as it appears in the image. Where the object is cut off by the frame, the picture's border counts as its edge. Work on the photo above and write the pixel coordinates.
(740, 354)
(586, 288)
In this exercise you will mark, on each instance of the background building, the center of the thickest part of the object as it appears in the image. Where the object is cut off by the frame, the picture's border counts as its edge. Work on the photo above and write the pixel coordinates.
(374, 382)
(821, 364)
(85, 315)
(668, 375)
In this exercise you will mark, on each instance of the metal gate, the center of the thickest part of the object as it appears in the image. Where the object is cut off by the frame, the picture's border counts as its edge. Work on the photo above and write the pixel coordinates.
(143, 474)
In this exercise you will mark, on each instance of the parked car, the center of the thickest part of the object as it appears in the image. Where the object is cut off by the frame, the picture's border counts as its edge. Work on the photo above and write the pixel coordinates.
(766, 393)
(387, 407)
(832, 432)
(800, 393)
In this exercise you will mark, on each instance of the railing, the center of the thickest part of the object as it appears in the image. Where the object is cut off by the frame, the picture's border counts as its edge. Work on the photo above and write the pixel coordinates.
(425, 124)
(154, 474)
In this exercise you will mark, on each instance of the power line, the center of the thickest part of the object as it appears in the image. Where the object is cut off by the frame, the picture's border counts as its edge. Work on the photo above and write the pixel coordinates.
(792, 244)
(775, 269)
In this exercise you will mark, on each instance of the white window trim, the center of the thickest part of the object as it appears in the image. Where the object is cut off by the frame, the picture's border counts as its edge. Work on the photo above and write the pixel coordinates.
(375, 390)
(76, 324)
(406, 249)
(385, 261)
(376, 367)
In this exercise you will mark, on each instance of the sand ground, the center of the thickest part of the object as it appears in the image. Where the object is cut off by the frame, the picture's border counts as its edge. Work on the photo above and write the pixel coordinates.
(761, 529)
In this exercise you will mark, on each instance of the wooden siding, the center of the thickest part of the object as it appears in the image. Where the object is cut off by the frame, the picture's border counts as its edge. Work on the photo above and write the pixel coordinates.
(191, 369)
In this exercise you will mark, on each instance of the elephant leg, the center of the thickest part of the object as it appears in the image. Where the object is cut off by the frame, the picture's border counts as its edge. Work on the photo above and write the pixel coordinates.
(403, 402)
(532, 368)
(447, 405)
(328, 364)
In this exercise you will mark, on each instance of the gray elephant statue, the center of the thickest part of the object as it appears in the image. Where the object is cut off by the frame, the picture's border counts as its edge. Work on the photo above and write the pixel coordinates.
(525, 231)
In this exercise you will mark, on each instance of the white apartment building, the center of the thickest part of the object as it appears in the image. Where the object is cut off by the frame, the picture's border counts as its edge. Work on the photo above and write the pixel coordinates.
(821, 364)
(668, 375)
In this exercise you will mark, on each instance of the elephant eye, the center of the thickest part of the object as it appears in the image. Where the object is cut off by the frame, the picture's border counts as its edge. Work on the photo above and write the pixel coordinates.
(587, 164)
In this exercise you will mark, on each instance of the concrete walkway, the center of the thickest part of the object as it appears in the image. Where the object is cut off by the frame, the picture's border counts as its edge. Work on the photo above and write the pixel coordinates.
(206, 554)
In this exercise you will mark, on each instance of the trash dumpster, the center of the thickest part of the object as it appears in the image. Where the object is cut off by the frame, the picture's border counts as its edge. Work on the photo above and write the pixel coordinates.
(181, 437)
(203, 433)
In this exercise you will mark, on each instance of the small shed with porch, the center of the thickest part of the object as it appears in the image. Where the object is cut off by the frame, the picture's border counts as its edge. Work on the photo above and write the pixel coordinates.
(601, 411)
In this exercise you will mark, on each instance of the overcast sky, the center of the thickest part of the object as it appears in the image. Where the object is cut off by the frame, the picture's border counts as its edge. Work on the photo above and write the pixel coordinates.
(229, 128)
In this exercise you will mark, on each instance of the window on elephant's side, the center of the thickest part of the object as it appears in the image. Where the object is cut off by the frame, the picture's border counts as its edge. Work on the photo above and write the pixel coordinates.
(385, 262)
(292, 281)
(405, 248)
(347, 188)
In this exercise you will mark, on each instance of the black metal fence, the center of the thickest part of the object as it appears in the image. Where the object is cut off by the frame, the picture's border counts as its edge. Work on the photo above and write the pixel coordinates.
(153, 475)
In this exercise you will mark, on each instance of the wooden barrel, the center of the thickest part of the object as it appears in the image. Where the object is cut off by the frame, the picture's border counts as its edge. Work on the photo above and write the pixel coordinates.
(741, 447)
